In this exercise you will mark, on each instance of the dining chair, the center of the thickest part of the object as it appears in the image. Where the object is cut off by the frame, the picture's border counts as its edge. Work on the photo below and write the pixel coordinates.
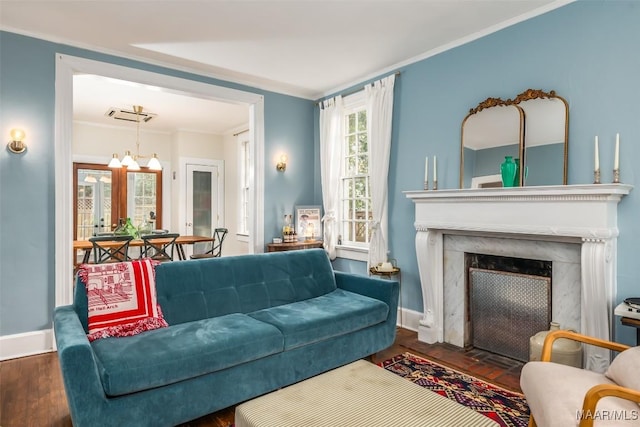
(158, 247)
(110, 248)
(219, 235)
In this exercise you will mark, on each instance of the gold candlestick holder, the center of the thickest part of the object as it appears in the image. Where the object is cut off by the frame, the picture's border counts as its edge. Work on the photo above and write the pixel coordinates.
(426, 185)
(596, 176)
(435, 184)
(616, 176)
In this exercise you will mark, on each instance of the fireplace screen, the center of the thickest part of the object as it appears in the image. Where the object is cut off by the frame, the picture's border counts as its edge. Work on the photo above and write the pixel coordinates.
(507, 309)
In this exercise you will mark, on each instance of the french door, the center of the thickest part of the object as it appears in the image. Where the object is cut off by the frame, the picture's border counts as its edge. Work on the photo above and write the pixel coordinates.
(204, 201)
(103, 195)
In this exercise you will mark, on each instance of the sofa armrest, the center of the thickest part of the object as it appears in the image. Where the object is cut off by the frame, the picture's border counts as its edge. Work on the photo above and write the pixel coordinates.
(552, 336)
(69, 330)
(77, 362)
(384, 290)
(599, 391)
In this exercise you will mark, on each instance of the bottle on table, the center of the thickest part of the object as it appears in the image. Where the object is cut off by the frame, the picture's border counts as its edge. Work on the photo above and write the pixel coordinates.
(120, 228)
(287, 229)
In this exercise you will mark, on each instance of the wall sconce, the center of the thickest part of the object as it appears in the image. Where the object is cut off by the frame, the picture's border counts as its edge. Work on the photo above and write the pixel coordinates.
(16, 145)
(282, 164)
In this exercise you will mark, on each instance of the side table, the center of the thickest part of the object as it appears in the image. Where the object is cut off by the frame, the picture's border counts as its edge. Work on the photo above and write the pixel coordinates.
(293, 246)
(390, 274)
(629, 321)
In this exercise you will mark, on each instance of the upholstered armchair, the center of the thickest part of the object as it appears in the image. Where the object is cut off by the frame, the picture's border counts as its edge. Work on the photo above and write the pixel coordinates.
(562, 396)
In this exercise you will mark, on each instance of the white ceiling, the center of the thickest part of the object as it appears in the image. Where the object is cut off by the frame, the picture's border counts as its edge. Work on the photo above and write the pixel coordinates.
(94, 95)
(305, 48)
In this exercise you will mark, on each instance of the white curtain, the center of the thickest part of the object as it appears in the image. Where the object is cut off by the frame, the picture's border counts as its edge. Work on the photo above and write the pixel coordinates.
(379, 101)
(330, 162)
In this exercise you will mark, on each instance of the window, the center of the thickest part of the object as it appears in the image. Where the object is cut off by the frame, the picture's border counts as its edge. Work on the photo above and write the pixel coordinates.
(243, 181)
(355, 197)
(142, 196)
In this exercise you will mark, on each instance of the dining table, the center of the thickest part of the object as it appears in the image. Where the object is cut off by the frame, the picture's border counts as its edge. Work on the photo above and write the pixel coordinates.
(87, 246)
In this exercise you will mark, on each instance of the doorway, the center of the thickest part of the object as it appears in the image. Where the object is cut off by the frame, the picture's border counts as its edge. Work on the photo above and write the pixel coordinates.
(204, 200)
(66, 67)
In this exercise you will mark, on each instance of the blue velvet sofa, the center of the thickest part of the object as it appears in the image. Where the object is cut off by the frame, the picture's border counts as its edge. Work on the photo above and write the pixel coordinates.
(239, 327)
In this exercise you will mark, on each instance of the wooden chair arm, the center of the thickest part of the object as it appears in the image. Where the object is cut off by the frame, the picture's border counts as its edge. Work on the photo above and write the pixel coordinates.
(554, 335)
(599, 391)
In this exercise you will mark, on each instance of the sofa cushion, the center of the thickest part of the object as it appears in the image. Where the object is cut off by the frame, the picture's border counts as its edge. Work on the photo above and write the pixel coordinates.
(555, 394)
(168, 355)
(197, 289)
(323, 317)
(624, 363)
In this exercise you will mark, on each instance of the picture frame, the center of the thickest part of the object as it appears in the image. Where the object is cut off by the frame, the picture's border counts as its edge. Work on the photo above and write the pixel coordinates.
(308, 222)
(486, 181)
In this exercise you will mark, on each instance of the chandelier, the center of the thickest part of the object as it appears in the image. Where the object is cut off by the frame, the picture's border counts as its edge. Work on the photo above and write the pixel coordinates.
(131, 161)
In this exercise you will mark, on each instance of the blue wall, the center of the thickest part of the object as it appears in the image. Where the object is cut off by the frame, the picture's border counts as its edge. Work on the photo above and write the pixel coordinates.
(548, 161)
(27, 97)
(587, 52)
(488, 160)
(548, 164)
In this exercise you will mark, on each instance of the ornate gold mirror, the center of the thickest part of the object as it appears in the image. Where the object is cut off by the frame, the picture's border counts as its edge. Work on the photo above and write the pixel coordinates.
(490, 132)
(532, 128)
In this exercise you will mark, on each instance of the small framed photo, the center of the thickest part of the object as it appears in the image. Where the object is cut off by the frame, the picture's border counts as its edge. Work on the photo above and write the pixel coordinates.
(309, 223)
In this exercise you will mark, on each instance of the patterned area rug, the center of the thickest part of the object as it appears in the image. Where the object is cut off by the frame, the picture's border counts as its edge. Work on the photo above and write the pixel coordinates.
(507, 408)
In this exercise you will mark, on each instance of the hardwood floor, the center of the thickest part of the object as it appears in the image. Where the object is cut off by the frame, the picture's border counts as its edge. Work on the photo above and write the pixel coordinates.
(32, 394)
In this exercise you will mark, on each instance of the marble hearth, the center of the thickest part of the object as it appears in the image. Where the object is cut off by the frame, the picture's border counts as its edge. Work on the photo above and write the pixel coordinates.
(574, 226)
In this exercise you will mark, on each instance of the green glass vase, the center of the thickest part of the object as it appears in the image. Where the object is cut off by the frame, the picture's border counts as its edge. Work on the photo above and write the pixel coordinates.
(508, 171)
(130, 229)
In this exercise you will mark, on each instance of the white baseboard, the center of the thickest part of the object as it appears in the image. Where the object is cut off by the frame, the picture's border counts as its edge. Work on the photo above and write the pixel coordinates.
(409, 319)
(26, 344)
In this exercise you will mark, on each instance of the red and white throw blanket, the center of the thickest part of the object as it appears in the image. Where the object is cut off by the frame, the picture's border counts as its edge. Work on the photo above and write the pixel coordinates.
(122, 298)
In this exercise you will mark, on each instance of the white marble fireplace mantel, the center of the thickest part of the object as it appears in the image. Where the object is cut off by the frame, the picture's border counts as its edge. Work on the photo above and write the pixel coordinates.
(582, 213)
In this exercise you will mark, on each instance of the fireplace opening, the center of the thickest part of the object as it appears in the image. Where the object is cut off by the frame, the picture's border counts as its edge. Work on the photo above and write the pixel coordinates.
(508, 300)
